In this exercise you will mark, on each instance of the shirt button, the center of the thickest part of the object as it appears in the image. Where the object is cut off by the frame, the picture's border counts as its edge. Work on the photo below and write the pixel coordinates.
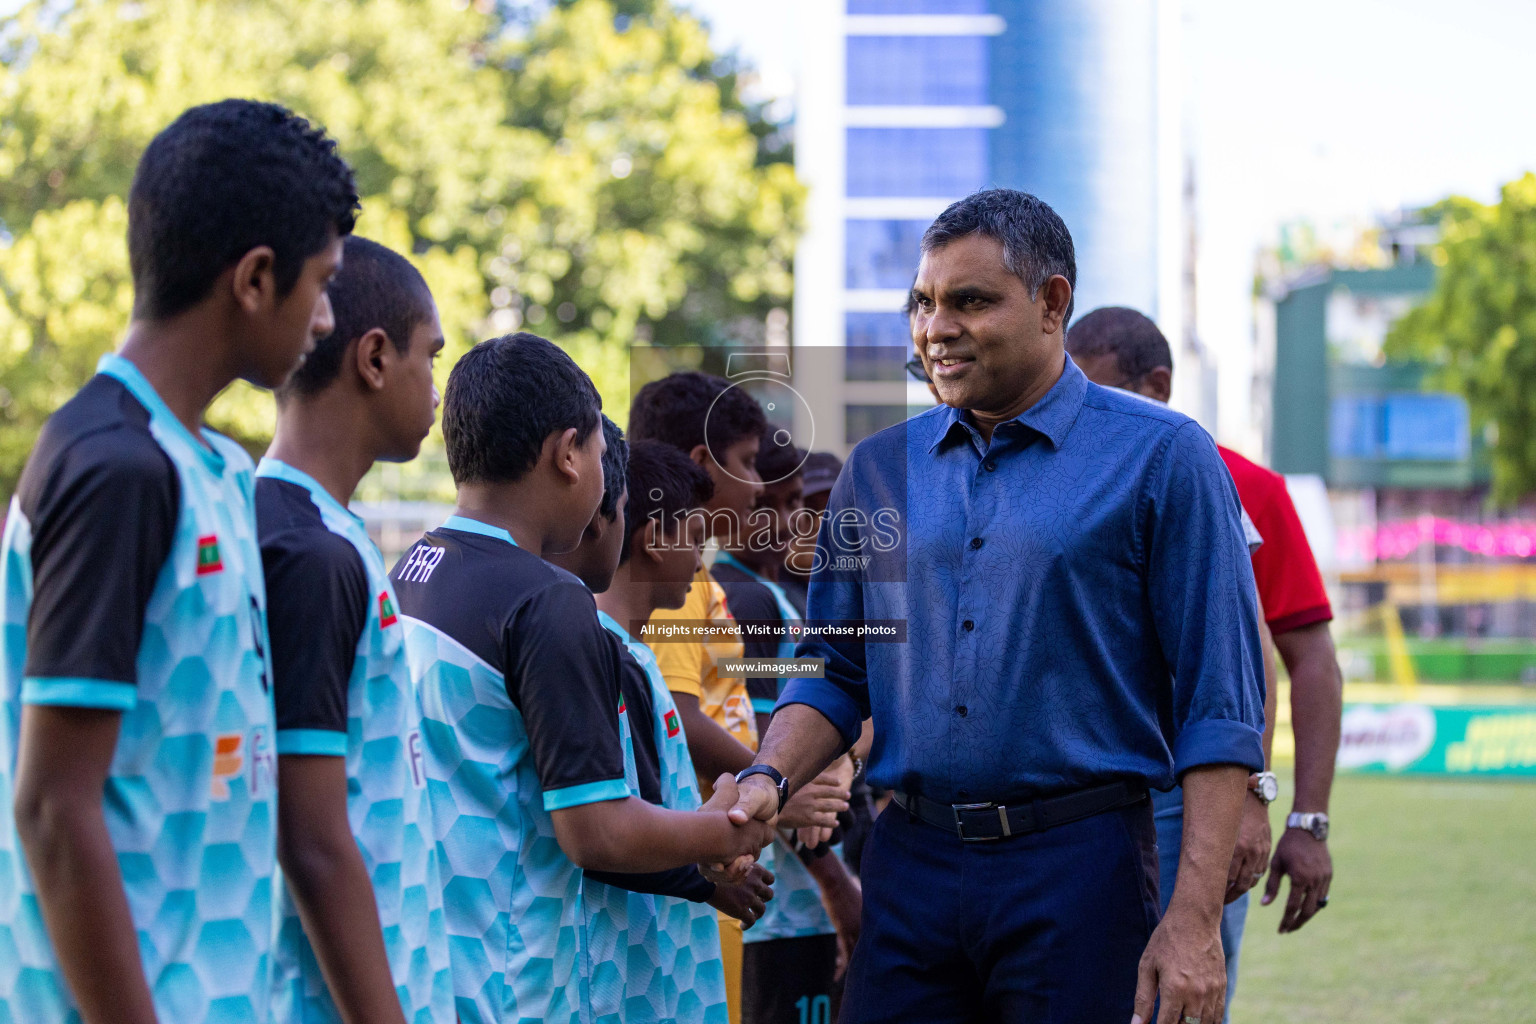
(968, 625)
(990, 465)
(962, 710)
(975, 543)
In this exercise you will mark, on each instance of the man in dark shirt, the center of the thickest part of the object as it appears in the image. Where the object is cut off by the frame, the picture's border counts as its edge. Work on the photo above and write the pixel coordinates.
(1081, 627)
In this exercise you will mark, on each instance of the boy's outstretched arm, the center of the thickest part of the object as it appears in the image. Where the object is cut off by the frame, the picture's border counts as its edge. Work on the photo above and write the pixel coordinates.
(634, 836)
(62, 766)
(324, 871)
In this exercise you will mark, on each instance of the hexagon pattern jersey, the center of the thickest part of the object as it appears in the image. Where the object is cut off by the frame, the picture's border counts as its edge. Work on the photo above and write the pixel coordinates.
(369, 716)
(512, 894)
(189, 801)
(519, 692)
(673, 969)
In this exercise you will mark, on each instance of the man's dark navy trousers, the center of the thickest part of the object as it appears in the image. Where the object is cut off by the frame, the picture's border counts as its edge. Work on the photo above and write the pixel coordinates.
(1046, 927)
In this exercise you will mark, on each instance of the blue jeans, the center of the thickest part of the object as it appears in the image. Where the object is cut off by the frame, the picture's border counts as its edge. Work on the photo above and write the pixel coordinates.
(1048, 926)
(1168, 812)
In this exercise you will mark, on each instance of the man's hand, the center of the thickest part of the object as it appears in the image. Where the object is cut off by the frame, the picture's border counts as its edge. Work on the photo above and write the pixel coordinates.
(1184, 967)
(745, 900)
(757, 799)
(753, 833)
(838, 776)
(1252, 854)
(814, 808)
(1307, 861)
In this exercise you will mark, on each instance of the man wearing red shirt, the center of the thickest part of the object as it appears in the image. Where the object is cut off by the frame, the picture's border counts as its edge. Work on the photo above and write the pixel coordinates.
(1121, 348)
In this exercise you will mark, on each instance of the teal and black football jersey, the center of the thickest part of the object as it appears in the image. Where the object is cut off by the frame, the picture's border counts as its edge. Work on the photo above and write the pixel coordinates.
(343, 688)
(132, 582)
(674, 966)
(519, 691)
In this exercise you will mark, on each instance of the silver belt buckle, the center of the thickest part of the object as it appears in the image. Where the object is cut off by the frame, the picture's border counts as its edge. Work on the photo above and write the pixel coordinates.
(1002, 815)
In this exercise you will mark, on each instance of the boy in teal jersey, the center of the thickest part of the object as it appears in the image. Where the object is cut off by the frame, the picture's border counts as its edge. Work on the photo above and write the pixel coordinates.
(525, 752)
(361, 933)
(652, 937)
(137, 826)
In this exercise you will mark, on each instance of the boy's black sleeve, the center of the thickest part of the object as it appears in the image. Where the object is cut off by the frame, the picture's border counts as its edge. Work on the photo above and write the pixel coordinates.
(103, 520)
(317, 606)
(562, 673)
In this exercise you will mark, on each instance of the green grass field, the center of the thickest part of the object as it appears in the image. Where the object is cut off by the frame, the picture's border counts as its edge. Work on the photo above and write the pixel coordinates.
(1431, 919)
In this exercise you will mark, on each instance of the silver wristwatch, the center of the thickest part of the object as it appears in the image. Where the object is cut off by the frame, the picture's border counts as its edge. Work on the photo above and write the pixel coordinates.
(1265, 786)
(1315, 823)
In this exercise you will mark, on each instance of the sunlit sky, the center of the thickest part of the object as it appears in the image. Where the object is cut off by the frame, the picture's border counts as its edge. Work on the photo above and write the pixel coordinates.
(1329, 110)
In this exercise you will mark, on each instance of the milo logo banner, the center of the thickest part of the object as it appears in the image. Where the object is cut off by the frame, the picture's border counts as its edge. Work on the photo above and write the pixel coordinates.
(1423, 740)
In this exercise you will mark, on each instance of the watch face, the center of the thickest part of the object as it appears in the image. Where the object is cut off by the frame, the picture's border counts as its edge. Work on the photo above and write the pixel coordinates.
(1319, 830)
(1269, 788)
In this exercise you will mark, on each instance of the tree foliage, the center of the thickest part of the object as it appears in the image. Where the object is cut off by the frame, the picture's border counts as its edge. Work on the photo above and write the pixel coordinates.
(589, 173)
(1478, 326)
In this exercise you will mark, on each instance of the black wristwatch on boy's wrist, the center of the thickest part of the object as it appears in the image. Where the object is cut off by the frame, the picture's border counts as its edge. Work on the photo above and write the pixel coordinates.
(779, 781)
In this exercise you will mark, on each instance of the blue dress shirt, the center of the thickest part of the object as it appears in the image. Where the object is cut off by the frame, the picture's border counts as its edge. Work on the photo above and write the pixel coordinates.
(1078, 594)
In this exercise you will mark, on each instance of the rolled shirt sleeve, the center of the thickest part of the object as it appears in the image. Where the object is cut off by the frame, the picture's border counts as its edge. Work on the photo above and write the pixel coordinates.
(1204, 608)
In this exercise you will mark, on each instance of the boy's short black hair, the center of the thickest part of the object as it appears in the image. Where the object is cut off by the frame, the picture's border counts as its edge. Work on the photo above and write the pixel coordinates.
(777, 463)
(665, 485)
(676, 408)
(504, 399)
(221, 180)
(615, 469)
(376, 287)
(1137, 344)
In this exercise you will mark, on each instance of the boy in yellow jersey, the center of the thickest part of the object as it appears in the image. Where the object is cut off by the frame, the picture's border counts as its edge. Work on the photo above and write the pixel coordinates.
(720, 426)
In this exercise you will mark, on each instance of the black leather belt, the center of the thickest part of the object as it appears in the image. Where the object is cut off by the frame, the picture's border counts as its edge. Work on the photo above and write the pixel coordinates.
(980, 823)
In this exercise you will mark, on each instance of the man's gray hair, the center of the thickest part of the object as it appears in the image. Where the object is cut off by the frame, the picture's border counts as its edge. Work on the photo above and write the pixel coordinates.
(1036, 243)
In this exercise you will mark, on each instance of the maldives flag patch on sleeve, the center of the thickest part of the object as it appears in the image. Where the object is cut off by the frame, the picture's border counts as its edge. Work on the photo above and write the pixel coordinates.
(674, 726)
(387, 615)
(208, 560)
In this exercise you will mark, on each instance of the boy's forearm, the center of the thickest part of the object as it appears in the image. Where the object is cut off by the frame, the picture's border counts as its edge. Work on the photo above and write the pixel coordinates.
(633, 837)
(85, 909)
(714, 750)
(64, 757)
(335, 899)
(684, 883)
(325, 873)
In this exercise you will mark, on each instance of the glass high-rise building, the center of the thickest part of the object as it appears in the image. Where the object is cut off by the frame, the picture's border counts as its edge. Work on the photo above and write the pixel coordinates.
(908, 105)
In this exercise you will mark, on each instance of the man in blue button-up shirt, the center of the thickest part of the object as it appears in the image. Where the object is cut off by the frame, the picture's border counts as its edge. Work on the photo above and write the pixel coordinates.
(1079, 610)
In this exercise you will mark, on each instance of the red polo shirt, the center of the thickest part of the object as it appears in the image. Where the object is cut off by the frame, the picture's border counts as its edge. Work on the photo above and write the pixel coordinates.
(1290, 585)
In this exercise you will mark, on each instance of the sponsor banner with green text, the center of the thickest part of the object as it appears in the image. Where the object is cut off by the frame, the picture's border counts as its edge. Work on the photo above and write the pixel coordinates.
(1423, 740)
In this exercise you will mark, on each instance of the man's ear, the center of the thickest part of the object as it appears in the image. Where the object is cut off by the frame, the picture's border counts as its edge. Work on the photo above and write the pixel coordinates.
(1057, 293)
(371, 355)
(1158, 384)
(254, 282)
(701, 456)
